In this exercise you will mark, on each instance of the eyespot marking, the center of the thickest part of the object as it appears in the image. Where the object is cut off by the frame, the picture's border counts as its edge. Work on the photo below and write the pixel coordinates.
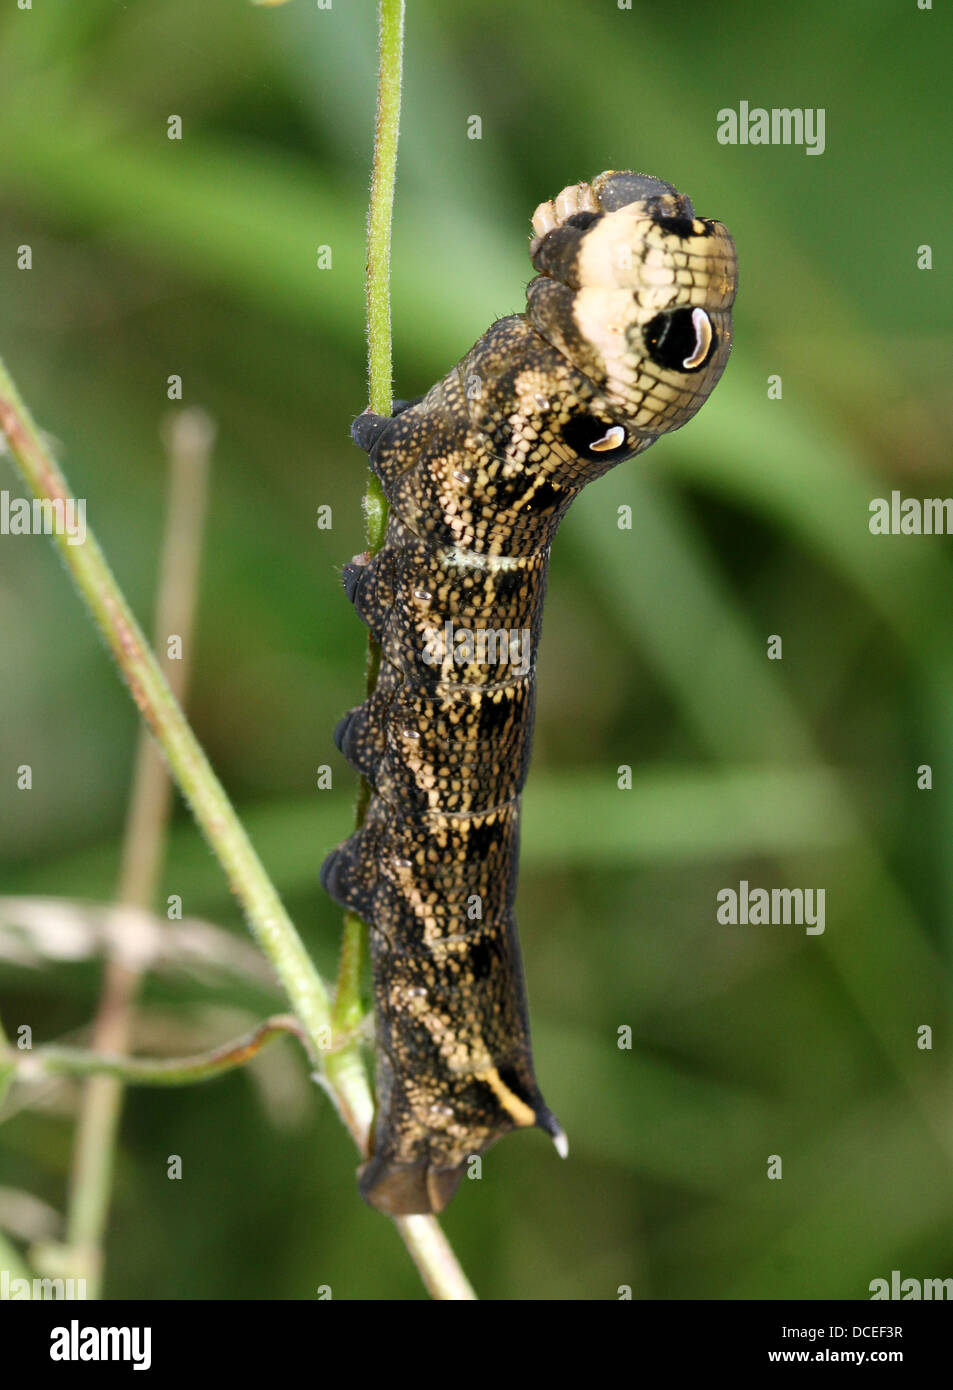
(682, 340)
(591, 436)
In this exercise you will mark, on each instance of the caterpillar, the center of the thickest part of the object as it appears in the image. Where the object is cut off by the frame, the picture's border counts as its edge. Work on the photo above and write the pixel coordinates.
(626, 331)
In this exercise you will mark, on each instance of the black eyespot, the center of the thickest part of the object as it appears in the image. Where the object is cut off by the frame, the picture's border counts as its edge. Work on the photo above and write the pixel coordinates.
(594, 438)
(683, 340)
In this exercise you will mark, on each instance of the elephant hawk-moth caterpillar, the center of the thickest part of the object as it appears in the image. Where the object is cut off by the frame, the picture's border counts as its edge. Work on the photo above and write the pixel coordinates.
(626, 331)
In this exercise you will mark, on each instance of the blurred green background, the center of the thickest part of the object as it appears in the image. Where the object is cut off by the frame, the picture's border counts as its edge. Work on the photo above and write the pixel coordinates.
(198, 257)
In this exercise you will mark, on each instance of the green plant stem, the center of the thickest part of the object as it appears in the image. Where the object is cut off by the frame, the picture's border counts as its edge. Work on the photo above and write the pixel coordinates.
(433, 1255)
(380, 211)
(151, 1071)
(348, 1002)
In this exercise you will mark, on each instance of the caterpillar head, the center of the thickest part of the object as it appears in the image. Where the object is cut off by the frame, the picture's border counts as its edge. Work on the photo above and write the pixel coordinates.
(637, 292)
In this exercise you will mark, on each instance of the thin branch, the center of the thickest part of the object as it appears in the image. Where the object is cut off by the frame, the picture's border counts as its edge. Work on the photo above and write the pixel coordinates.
(188, 437)
(380, 211)
(152, 1071)
(433, 1255)
(348, 1002)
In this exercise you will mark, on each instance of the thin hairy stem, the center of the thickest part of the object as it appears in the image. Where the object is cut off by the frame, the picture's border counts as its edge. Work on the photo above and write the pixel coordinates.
(348, 1001)
(153, 1071)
